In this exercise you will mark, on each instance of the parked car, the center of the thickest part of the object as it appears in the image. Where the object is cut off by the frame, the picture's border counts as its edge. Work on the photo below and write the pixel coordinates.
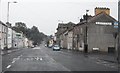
(56, 48)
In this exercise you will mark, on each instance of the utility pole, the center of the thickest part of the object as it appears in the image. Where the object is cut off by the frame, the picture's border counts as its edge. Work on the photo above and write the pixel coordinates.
(0, 9)
(86, 31)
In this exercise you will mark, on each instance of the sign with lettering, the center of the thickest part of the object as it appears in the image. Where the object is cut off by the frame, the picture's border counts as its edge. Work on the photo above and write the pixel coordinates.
(115, 24)
(104, 23)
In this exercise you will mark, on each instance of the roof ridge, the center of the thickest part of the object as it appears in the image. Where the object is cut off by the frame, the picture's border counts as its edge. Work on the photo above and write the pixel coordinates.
(101, 14)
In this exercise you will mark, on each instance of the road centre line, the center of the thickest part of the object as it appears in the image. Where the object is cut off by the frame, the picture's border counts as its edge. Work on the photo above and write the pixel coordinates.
(8, 66)
(41, 59)
(15, 59)
(37, 58)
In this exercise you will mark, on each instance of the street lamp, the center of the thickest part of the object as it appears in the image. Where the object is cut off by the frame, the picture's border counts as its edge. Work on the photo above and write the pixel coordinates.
(8, 10)
(87, 15)
(86, 31)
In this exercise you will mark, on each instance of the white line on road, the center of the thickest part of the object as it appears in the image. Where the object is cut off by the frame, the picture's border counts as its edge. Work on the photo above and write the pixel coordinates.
(41, 59)
(27, 59)
(36, 48)
(37, 58)
(8, 66)
(13, 61)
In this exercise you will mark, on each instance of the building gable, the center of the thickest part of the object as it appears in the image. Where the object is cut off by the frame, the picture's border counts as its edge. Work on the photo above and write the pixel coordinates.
(102, 17)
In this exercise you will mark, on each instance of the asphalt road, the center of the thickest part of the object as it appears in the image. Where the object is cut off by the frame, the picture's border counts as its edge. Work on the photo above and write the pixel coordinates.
(45, 59)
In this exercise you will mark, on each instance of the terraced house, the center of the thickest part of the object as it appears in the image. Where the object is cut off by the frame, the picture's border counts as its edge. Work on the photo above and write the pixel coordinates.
(98, 32)
(62, 27)
(11, 39)
(3, 35)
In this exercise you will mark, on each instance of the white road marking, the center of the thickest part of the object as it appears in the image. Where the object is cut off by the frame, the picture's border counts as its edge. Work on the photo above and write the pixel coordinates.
(36, 48)
(37, 58)
(8, 66)
(13, 61)
(41, 59)
(27, 59)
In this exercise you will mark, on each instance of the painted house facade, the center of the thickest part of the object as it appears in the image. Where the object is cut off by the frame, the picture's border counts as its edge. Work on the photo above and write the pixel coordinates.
(62, 27)
(3, 35)
(14, 41)
(9, 38)
(70, 39)
(98, 32)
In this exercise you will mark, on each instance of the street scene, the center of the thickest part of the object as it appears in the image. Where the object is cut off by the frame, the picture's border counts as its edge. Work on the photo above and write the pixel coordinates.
(59, 36)
(45, 59)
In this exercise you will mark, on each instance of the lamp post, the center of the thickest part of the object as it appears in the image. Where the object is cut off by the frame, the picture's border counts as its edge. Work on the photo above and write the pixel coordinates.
(0, 9)
(9, 10)
(87, 15)
(86, 31)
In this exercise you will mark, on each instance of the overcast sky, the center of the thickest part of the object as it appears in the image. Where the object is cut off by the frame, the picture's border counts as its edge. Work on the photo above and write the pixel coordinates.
(45, 13)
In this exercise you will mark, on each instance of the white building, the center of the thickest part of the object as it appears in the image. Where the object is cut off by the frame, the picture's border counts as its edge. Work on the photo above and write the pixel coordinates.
(9, 38)
(70, 39)
(14, 41)
(3, 35)
(26, 42)
(18, 41)
(30, 43)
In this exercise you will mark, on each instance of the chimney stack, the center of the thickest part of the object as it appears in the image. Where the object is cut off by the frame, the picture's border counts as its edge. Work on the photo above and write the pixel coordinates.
(100, 9)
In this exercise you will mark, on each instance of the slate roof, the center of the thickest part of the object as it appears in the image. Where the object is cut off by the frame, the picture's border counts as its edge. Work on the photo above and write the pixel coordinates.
(99, 17)
(102, 16)
(65, 24)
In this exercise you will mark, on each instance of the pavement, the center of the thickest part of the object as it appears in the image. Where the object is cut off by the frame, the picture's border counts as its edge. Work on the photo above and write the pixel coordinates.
(110, 57)
(3, 52)
(106, 57)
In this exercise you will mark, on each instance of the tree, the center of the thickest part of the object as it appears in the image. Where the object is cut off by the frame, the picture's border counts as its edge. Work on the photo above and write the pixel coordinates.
(32, 34)
(20, 27)
(20, 24)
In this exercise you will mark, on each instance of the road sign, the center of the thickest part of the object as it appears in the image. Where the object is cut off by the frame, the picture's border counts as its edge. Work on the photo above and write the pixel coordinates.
(115, 24)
